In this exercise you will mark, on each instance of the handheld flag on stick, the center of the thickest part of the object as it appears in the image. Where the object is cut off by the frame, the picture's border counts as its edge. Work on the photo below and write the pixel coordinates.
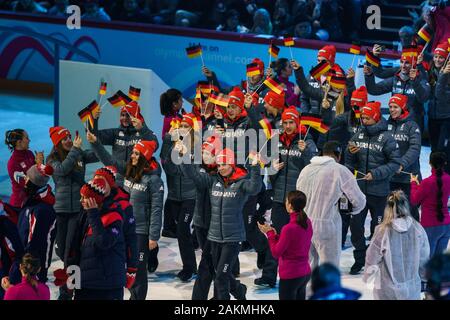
(288, 40)
(194, 52)
(253, 70)
(425, 33)
(273, 51)
(205, 87)
(102, 90)
(220, 101)
(372, 59)
(87, 113)
(134, 93)
(310, 119)
(267, 127)
(338, 82)
(355, 48)
(322, 68)
(410, 51)
(273, 85)
(116, 101)
(126, 99)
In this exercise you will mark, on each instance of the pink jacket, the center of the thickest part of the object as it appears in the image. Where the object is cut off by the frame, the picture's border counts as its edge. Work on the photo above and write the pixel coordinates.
(24, 291)
(291, 248)
(425, 195)
(20, 161)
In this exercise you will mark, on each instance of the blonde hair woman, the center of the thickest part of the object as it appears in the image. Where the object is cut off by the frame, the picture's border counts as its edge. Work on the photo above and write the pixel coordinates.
(397, 254)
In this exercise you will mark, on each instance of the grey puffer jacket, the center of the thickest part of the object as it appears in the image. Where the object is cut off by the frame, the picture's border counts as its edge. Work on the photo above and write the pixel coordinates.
(379, 154)
(406, 133)
(122, 140)
(227, 201)
(179, 186)
(146, 196)
(442, 93)
(68, 176)
(285, 180)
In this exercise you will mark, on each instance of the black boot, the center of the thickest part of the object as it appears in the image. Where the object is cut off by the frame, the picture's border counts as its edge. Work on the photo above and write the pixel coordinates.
(152, 262)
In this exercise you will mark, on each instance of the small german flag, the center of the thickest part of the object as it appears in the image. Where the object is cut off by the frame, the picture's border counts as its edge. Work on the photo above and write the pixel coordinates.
(372, 59)
(338, 82)
(273, 85)
(448, 48)
(322, 68)
(134, 93)
(288, 40)
(116, 101)
(323, 128)
(410, 51)
(205, 87)
(253, 70)
(357, 111)
(355, 48)
(175, 123)
(425, 33)
(310, 119)
(197, 124)
(220, 101)
(194, 51)
(93, 106)
(102, 90)
(86, 113)
(126, 99)
(274, 50)
(266, 126)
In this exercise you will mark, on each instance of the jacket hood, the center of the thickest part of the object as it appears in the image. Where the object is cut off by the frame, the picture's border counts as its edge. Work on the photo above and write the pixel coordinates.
(238, 174)
(377, 128)
(322, 161)
(400, 120)
(402, 224)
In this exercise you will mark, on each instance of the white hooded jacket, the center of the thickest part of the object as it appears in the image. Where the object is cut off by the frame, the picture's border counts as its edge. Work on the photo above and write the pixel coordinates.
(324, 181)
(395, 260)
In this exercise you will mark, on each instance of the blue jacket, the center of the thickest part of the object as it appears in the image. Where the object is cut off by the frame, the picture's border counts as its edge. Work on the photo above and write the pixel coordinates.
(37, 228)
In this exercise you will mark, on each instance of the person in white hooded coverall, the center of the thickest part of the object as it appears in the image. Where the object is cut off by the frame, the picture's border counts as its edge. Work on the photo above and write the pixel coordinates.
(398, 252)
(325, 181)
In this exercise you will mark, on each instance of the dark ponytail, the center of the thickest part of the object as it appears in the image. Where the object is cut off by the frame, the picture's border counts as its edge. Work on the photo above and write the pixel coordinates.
(30, 266)
(438, 160)
(279, 65)
(297, 200)
(12, 137)
(167, 99)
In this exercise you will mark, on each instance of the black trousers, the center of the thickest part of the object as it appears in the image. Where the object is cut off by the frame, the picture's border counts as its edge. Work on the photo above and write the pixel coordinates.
(66, 226)
(206, 272)
(139, 289)
(94, 294)
(258, 240)
(376, 206)
(280, 217)
(346, 218)
(183, 212)
(293, 289)
(406, 188)
(169, 223)
(224, 256)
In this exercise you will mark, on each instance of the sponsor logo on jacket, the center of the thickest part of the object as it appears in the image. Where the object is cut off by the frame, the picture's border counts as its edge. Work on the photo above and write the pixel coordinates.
(292, 152)
(371, 146)
(226, 194)
(124, 143)
(233, 133)
(135, 186)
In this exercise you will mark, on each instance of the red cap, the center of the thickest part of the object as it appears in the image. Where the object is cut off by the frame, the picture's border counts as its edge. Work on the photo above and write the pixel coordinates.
(213, 144)
(275, 100)
(96, 188)
(373, 110)
(133, 109)
(328, 52)
(359, 97)
(400, 100)
(291, 113)
(57, 134)
(189, 119)
(237, 97)
(442, 50)
(226, 156)
(109, 173)
(410, 60)
(146, 148)
(260, 64)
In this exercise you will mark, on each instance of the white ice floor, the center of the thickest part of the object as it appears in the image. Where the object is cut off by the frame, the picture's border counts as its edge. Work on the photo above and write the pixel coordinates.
(163, 285)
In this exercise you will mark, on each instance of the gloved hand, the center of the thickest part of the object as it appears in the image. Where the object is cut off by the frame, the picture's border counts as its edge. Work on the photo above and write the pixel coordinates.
(131, 277)
(18, 176)
(61, 277)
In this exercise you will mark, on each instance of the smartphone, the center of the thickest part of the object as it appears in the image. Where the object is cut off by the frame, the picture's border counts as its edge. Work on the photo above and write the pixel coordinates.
(220, 123)
(76, 134)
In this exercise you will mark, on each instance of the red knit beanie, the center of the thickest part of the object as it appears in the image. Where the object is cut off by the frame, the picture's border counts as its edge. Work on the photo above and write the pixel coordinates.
(372, 110)
(189, 119)
(133, 109)
(96, 188)
(236, 97)
(359, 97)
(146, 148)
(400, 100)
(226, 156)
(213, 144)
(57, 134)
(328, 52)
(291, 113)
(260, 64)
(109, 173)
(442, 50)
(275, 100)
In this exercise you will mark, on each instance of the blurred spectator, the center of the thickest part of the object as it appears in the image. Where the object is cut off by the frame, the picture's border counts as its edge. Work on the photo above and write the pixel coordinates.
(303, 30)
(261, 22)
(406, 35)
(130, 11)
(232, 23)
(302, 10)
(59, 9)
(351, 16)
(282, 20)
(325, 17)
(193, 13)
(5, 5)
(326, 284)
(164, 11)
(438, 276)
(92, 11)
(27, 6)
